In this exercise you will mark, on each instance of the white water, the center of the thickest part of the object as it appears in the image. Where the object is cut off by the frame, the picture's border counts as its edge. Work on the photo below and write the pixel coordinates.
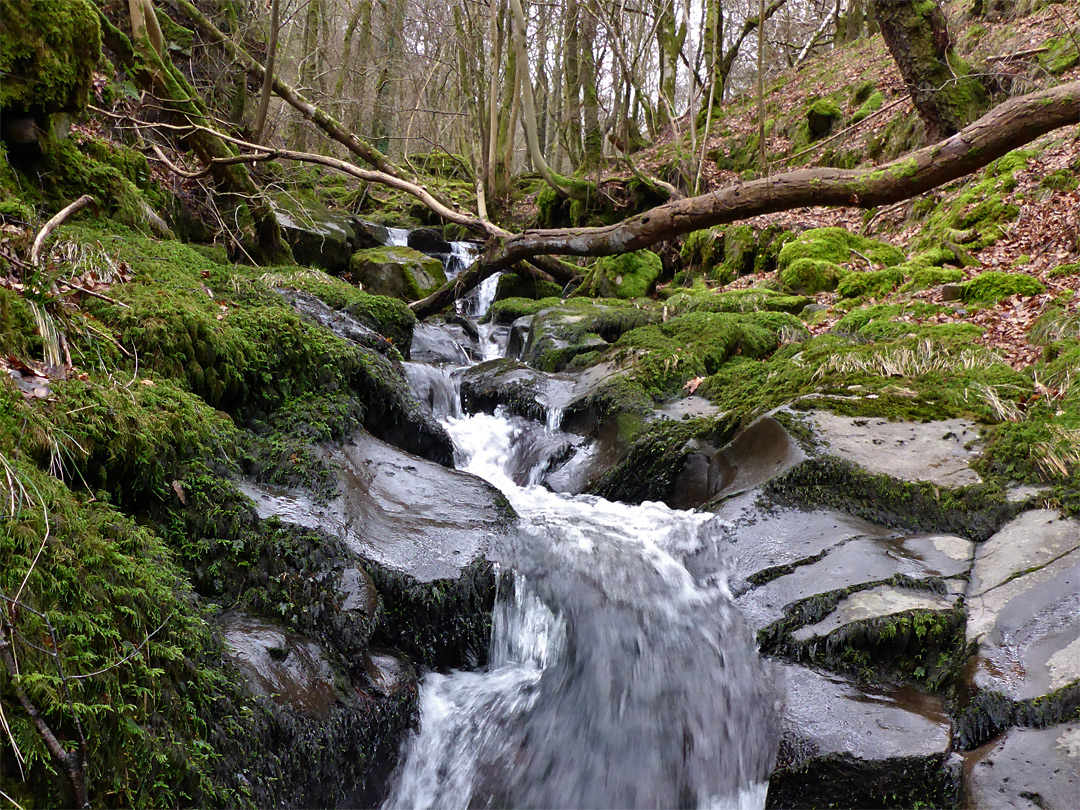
(615, 677)
(397, 236)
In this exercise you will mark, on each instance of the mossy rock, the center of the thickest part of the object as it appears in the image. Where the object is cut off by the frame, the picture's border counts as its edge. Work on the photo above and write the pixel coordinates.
(993, 285)
(870, 284)
(837, 245)
(396, 271)
(869, 106)
(751, 299)
(926, 277)
(48, 51)
(809, 276)
(821, 117)
(628, 275)
(522, 285)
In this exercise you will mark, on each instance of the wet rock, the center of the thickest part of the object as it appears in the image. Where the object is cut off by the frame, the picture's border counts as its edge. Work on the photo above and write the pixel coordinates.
(758, 453)
(1024, 618)
(849, 746)
(876, 603)
(370, 234)
(861, 561)
(931, 451)
(691, 407)
(397, 272)
(442, 343)
(428, 240)
(518, 337)
(318, 236)
(1026, 768)
(388, 674)
(518, 389)
(340, 323)
(1026, 543)
(561, 333)
(290, 670)
(423, 532)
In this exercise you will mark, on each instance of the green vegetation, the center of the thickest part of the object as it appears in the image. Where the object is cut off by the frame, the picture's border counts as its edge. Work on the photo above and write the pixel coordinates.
(992, 286)
(629, 275)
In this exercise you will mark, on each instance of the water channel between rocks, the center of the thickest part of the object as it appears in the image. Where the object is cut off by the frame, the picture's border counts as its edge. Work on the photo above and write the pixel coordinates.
(617, 677)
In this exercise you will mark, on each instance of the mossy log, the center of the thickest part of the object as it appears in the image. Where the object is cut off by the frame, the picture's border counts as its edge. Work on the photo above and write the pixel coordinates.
(1006, 127)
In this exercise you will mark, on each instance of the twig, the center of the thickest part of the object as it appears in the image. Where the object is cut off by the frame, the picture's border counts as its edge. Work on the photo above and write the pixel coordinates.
(105, 298)
(1018, 55)
(54, 223)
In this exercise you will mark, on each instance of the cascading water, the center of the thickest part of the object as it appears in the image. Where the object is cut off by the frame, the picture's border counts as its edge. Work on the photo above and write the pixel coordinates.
(616, 678)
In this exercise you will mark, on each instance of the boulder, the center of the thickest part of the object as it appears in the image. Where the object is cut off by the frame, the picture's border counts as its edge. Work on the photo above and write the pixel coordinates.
(398, 272)
(428, 240)
(370, 234)
(318, 236)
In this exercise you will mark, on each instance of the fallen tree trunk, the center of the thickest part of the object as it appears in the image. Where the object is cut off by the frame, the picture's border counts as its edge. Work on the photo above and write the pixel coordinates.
(1006, 127)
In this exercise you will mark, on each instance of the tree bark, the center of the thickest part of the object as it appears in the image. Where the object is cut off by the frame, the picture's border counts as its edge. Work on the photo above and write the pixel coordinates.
(917, 36)
(1006, 127)
(267, 83)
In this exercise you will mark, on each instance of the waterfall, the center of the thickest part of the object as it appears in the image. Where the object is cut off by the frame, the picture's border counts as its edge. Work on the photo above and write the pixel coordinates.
(616, 677)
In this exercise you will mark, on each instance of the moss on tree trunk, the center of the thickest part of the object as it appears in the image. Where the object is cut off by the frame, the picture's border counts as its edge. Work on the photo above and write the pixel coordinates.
(917, 36)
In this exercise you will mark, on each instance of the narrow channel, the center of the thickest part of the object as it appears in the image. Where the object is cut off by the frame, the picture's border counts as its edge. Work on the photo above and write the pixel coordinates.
(617, 676)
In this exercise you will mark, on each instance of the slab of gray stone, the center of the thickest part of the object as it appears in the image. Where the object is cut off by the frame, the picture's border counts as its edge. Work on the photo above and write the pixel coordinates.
(860, 561)
(1027, 632)
(291, 670)
(397, 510)
(1026, 768)
(846, 745)
(1029, 541)
(911, 451)
(875, 603)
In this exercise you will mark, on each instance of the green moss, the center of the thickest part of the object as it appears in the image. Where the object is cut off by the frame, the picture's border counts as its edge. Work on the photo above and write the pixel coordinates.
(510, 309)
(522, 285)
(751, 299)
(926, 277)
(1061, 180)
(629, 275)
(870, 284)
(993, 285)
(1062, 56)
(1065, 270)
(48, 52)
(390, 317)
(871, 105)
(821, 116)
(397, 272)
(809, 276)
(837, 245)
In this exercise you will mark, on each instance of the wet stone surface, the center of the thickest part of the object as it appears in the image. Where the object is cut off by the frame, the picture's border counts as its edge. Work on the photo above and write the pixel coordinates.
(875, 603)
(1036, 768)
(851, 746)
(289, 669)
(932, 451)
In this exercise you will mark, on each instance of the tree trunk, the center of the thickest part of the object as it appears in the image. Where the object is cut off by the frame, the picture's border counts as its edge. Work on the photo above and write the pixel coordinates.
(572, 75)
(593, 142)
(917, 36)
(382, 119)
(164, 82)
(268, 79)
(309, 46)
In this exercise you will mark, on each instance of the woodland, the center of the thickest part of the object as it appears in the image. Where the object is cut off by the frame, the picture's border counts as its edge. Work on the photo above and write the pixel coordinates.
(869, 208)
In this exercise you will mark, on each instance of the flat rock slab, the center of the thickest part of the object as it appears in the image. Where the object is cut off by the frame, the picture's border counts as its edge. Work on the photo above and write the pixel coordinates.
(845, 745)
(875, 603)
(930, 451)
(1029, 541)
(860, 561)
(400, 511)
(1036, 768)
(291, 670)
(1026, 669)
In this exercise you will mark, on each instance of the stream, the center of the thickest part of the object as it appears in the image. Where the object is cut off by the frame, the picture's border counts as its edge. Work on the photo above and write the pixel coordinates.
(617, 676)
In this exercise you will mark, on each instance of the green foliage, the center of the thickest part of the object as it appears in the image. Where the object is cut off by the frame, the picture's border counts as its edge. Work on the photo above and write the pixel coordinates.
(811, 276)
(144, 676)
(1061, 180)
(837, 245)
(926, 277)
(1062, 56)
